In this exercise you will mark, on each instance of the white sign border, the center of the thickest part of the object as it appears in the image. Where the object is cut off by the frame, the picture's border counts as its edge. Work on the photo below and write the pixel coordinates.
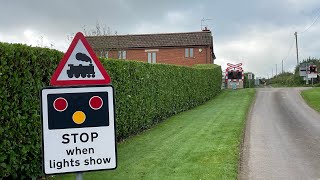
(42, 134)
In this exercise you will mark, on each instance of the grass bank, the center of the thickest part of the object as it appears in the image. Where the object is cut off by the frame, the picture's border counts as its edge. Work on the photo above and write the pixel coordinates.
(312, 97)
(202, 143)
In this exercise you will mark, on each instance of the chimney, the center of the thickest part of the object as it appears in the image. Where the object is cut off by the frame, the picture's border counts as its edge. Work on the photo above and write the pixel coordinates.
(205, 29)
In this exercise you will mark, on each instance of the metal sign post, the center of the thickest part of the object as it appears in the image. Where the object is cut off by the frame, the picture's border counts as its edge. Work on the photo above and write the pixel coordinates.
(249, 78)
(307, 79)
(79, 176)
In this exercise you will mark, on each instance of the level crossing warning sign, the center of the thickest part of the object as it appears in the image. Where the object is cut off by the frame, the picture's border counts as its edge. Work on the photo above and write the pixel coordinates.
(80, 66)
(78, 129)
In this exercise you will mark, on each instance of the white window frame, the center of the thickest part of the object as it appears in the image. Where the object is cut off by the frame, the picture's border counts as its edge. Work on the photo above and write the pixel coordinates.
(106, 54)
(122, 54)
(152, 57)
(189, 52)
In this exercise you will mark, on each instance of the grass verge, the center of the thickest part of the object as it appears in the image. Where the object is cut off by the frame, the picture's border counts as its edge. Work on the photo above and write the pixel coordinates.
(202, 143)
(312, 97)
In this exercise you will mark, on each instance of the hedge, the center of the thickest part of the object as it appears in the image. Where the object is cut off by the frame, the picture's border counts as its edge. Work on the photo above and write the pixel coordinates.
(145, 95)
(285, 79)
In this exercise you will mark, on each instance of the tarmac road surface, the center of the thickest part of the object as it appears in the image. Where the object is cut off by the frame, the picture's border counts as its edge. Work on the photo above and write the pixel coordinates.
(282, 137)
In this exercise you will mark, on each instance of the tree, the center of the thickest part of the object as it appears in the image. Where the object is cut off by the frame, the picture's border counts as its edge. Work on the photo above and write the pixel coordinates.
(98, 30)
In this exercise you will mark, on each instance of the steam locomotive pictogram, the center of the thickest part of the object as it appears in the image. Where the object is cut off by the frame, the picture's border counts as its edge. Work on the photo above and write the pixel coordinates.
(81, 70)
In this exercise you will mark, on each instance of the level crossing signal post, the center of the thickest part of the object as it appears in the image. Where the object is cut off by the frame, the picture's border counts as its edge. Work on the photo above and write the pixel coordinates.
(234, 76)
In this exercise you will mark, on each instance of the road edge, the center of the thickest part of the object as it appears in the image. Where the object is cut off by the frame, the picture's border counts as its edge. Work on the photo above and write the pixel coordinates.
(244, 150)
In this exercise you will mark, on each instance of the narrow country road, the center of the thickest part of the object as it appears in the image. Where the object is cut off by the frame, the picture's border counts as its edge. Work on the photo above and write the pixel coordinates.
(282, 139)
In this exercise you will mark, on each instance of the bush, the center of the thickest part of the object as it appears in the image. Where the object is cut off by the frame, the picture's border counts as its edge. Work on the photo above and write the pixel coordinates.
(145, 95)
(285, 79)
(23, 72)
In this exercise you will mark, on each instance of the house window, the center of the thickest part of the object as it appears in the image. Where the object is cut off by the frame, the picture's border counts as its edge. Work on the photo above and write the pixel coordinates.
(191, 52)
(152, 57)
(122, 54)
(188, 52)
(107, 54)
(101, 53)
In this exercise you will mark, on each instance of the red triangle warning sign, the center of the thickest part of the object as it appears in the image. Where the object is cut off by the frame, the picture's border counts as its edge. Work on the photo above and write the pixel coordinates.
(80, 66)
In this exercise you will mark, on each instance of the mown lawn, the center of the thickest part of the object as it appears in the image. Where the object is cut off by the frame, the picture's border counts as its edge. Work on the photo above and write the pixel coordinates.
(202, 143)
(312, 97)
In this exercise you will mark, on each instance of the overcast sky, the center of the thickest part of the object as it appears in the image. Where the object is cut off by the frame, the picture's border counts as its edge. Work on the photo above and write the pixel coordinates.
(258, 33)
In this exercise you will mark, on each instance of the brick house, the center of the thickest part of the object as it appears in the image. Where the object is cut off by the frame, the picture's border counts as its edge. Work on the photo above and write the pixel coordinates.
(184, 49)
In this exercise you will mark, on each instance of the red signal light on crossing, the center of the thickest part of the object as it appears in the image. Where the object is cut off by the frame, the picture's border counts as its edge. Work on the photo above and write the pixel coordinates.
(313, 69)
(96, 102)
(60, 104)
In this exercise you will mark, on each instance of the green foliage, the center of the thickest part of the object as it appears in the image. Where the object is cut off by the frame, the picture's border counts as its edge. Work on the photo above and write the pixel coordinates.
(205, 66)
(23, 72)
(148, 93)
(145, 95)
(246, 81)
(287, 79)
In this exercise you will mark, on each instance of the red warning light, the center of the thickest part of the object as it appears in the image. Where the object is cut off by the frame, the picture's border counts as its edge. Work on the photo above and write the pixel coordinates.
(96, 102)
(60, 104)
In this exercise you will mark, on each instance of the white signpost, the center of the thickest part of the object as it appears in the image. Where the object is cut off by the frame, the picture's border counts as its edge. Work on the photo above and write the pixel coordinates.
(78, 129)
(302, 71)
(249, 78)
(313, 75)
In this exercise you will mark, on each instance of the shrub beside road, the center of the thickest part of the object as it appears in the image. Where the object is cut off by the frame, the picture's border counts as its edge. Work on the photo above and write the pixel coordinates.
(312, 97)
(202, 143)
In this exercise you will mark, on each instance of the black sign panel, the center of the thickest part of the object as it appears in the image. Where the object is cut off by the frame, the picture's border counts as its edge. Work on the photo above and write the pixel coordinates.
(64, 108)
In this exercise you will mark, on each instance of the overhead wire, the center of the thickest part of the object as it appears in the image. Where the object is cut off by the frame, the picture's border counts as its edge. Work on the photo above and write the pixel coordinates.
(305, 30)
(314, 21)
(289, 51)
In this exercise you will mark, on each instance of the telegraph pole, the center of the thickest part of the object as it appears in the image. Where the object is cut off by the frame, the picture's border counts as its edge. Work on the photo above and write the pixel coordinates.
(296, 35)
(276, 70)
(282, 65)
